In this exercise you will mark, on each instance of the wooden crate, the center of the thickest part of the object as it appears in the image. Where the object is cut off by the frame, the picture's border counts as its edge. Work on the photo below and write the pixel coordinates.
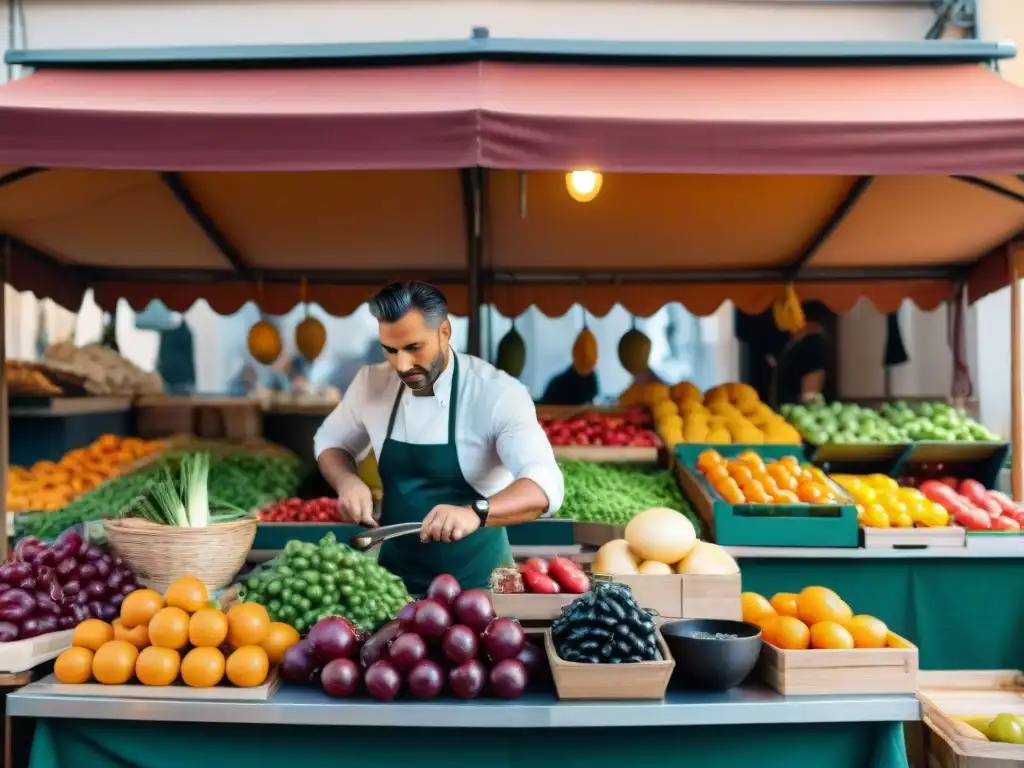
(952, 536)
(224, 418)
(596, 534)
(948, 695)
(608, 454)
(528, 607)
(22, 655)
(643, 680)
(178, 690)
(823, 672)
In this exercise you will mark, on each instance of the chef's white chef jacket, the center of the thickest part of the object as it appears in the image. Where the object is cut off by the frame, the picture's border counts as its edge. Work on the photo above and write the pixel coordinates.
(497, 436)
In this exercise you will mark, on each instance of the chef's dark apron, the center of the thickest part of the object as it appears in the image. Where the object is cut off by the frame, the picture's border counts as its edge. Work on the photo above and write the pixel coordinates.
(415, 479)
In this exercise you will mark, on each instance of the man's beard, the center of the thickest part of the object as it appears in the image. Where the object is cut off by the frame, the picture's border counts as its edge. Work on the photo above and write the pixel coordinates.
(430, 374)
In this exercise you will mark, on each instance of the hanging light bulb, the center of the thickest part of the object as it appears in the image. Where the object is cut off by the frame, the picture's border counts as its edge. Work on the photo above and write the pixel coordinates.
(583, 186)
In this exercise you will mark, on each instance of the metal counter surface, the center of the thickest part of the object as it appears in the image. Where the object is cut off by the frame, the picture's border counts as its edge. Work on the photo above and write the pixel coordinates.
(292, 705)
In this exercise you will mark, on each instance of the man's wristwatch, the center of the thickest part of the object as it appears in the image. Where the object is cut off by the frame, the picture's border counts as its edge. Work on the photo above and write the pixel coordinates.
(482, 507)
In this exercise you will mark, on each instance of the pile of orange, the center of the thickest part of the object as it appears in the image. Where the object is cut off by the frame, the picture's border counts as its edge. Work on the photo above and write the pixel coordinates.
(815, 618)
(748, 479)
(160, 639)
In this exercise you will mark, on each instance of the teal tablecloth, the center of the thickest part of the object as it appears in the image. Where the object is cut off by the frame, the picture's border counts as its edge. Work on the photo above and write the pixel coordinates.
(963, 613)
(111, 744)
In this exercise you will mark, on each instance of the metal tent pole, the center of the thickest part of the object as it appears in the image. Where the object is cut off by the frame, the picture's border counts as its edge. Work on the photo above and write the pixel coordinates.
(1016, 381)
(4, 419)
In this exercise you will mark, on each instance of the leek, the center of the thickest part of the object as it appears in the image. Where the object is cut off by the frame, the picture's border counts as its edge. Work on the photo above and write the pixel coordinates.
(194, 487)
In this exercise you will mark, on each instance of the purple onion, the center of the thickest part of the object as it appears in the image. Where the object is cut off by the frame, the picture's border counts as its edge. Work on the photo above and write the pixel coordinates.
(80, 613)
(15, 605)
(115, 580)
(95, 608)
(72, 588)
(81, 598)
(108, 612)
(93, 553)
(65, 568)
(96, 589)
(38, 624)
(65, 622)
(117, 562)
(29, 584)
(69, 538)
(116, 600)
(27, 548)
(87, 572)
(4, 586)
(46, 604)
(46, 576)
(103, 568)
(8, 632)
(127, 589)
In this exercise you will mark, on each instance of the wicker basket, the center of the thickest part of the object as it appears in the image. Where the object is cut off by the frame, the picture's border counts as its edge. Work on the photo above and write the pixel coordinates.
(158, 554)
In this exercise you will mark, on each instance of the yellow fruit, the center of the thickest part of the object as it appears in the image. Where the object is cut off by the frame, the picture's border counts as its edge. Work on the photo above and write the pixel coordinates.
(114, 662)
(202, 667)
(790, 634)
(280, 637)
(818, 604)
(169, 629)
(584, 353)
(264, 342)
(248, 666)
(310, 338)
(875, 517)
(248, 624)
(157, 666)
(785, 604)
(187, 593)
(91, 634)
(138, 636)
(74, 666)
(139, 607)
(830, 635)
(684, 392)
(867, 632)
(903, 520)
(207, 628)
(755, 607)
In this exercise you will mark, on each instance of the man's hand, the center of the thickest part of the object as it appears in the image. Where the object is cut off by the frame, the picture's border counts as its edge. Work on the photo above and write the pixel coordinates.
(355, 503)
(446, 522)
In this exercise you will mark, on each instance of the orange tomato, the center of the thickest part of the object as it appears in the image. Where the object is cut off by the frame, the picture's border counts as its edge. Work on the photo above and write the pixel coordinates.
(755, 493)
(717, 473)
(752, 460)
(730, 491)
(786, 497)
(792, 463)
(740, 473)
(708, 459)
(810, 493)
(769, 485)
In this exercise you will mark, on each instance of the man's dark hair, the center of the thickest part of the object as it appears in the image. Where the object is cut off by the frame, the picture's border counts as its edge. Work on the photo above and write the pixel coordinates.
(816, 312)
(394, 301)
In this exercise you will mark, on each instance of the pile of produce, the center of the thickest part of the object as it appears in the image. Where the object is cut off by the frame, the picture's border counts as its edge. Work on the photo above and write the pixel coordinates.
(596, 428)
(605, 626)
(449, 641)
(661, 542)
(748, 479)
(25, 379)
(103, 371)
(47, 588)
(832, 423)
(973, 506)
(543, 577)
(729, 413)
(49, 486)
(159, 640)
(239, 479)
(815, 618)
(1006, 728)
(615, 493)
(882, 503)
(309, 581)
(295, 510)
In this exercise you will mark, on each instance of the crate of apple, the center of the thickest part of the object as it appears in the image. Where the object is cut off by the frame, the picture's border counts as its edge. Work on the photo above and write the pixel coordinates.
(594, 428)
(322, 510)
(448, 643)
(972, 505)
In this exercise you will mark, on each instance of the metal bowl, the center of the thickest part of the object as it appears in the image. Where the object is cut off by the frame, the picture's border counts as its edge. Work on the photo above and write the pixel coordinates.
(707, 661)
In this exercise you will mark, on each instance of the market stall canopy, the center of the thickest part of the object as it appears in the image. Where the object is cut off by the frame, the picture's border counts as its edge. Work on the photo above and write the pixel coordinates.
(724, 181)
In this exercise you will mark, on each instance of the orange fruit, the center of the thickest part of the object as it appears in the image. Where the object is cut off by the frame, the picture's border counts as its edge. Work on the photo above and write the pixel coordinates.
(754, 493)
(810, 494)
(790, 634)
(280, 637)
(816, 604)
(157, 666)
(792, 463)
(207, 628)
(786, 497)
(74, 666)
(755, 607)
(867, 632)
(247, 667)
(169, 628)
(139, 607)
(139, 636)
(740, 473)
(831, 635)
(91, 634)
(769, 485)
(729, 491)
(768, 626)
(248, 624)
(114, 662)
(717, 473)
(187, 593)
(785, 604)
(708, 459)
(202, 667)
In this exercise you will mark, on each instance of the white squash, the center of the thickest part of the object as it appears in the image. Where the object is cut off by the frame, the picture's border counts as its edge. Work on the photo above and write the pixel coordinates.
(615, 559)
(661, 534)
(708, 560)
(654, 568)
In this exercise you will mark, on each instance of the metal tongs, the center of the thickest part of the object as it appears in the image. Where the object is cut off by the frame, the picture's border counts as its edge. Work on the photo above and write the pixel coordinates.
(373, 536)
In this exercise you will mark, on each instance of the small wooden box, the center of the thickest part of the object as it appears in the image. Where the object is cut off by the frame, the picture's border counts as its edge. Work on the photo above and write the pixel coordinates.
(822, 672)
(643, 680)
(596, 534)
(687, 596)
(22, 655)
(947, 696)
(177, 690)
(530, 607)
(914, 538)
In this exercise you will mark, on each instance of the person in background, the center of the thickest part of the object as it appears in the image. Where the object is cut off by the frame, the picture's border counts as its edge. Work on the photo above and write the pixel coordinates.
(176, 360)
(570, 388)
(801, 365)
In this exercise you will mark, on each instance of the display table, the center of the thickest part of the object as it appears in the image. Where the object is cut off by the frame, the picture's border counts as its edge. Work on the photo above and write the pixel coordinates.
(960, 607)
(748, 726)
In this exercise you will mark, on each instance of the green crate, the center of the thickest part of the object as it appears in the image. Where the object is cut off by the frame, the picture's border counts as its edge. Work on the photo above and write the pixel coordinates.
(976, 460)
(768, 525)
(687, 453)
(858, 458)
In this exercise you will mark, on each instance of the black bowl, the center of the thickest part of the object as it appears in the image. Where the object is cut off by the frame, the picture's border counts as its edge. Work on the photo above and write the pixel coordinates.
(710, 663)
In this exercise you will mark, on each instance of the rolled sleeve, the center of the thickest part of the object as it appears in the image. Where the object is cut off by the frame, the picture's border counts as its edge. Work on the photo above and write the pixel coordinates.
(344, 428)
(522, 446)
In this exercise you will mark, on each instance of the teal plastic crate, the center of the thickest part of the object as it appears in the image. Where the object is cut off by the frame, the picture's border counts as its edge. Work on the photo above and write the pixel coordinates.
(977, 460)
(767, 525)
(687, 453)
